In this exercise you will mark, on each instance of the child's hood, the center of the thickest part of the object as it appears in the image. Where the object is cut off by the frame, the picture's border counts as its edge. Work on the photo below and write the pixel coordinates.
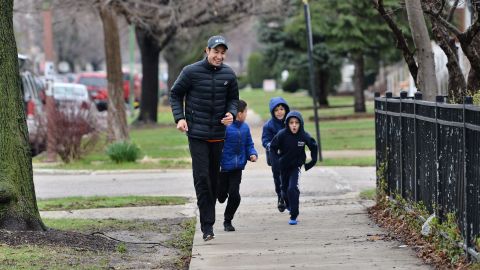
(297, 115)
(274, 102)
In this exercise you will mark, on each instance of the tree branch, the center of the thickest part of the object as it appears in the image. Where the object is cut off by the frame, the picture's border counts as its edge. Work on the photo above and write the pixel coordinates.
(400, 38)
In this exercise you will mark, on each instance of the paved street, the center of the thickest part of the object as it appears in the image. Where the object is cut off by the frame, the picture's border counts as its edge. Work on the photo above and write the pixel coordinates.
(334, 231)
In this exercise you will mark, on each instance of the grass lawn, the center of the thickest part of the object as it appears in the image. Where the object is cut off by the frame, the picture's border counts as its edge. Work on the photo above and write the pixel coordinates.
(55, 258)
(74, 203)
(178, 236)
(164, 147)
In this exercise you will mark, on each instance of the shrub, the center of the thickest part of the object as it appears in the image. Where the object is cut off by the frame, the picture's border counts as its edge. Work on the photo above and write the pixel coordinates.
(123, 152)
(291, 84)
(242, 81)
(257, 70)
(75, 131)
(476, 98)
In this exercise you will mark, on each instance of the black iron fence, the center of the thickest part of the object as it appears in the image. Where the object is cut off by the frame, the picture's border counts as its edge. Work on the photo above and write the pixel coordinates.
(429, 152)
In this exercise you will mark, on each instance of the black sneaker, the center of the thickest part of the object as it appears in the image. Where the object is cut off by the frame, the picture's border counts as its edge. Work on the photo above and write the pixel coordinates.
(281, 205)
(208, 236)
(227, 226)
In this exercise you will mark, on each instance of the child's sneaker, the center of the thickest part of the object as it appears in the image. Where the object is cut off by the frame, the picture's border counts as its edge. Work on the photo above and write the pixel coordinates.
(281, 205)
(292, 222)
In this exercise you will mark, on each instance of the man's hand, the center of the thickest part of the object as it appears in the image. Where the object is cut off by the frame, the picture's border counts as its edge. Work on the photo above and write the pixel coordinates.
(253, 158)
(228, 119)
(182, 125)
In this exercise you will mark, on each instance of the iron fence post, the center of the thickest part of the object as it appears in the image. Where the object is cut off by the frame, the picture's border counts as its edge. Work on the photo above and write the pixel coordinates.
(417, 96)
(468, 233)
(387, 156)
(438, 209)
(403, 95)
(377, 147)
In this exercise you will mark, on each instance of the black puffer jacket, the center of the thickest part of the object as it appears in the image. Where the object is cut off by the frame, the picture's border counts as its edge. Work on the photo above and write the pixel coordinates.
(209, 93)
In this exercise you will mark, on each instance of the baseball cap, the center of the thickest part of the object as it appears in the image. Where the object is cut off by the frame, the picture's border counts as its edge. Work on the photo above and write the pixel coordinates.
(214, 41)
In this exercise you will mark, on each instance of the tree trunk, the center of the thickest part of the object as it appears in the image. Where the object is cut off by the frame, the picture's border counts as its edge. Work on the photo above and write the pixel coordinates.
(18, 206)
(322, 92)
(117, 122)
(426, 79)
(473, 80)
(456, 82)
(358, 75)
(150, 52)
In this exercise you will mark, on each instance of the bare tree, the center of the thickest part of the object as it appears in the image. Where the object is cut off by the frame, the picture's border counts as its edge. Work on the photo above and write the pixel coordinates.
(440, 13)
(456, 81)
(469, 42)
(426, 78)
(401, 40)
(158, 22)
(18, 207)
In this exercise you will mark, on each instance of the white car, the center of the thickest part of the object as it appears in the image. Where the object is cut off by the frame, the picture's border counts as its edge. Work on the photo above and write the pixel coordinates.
(73, 101)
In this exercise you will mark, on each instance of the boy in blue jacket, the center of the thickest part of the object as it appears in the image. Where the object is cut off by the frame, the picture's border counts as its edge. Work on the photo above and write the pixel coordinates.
(278, 109)
(237, 149)
(289, 146)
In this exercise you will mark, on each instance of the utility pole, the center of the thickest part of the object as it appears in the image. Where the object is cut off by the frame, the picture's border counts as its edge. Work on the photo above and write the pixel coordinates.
(49, 70)
(306, 9)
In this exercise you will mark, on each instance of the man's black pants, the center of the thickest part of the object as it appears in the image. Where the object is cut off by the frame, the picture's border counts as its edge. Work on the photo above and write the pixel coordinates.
(229, 184)
(206, 158)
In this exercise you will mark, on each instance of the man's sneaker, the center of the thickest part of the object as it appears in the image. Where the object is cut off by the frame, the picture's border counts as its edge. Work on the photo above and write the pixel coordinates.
(292, 222)
(208, 236)
(281, 205)
(227, 226)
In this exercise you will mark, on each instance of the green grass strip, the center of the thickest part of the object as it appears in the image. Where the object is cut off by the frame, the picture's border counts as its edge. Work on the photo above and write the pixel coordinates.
(75, 203)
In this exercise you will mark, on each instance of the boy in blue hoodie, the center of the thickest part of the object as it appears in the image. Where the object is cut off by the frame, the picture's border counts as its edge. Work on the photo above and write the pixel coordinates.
(237, 149)
(289, 146)
(278, 109)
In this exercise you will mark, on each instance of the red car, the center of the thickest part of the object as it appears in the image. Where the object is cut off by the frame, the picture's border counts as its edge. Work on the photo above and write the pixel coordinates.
(97, 84)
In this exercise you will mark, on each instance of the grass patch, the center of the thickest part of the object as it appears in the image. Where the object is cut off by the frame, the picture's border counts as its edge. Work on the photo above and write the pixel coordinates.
(368, 194)
(356, 161)
(344, 135)
(84, 225)
(184, 241)
(164, 147)
(258, 100)
(36, 257)
(44, 256)
(75, 203)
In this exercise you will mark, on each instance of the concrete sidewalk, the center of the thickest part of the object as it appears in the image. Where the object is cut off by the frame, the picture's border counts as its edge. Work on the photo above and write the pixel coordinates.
(332, 233)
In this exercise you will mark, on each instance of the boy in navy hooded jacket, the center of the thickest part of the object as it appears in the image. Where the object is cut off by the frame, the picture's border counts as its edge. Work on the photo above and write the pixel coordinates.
(237, 149)
(278, 109)
(289, 145)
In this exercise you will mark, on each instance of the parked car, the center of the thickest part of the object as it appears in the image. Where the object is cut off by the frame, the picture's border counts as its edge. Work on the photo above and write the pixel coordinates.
(73, 102)
(32, 88)
(97, 86)
(96, 83)
(72, 95)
